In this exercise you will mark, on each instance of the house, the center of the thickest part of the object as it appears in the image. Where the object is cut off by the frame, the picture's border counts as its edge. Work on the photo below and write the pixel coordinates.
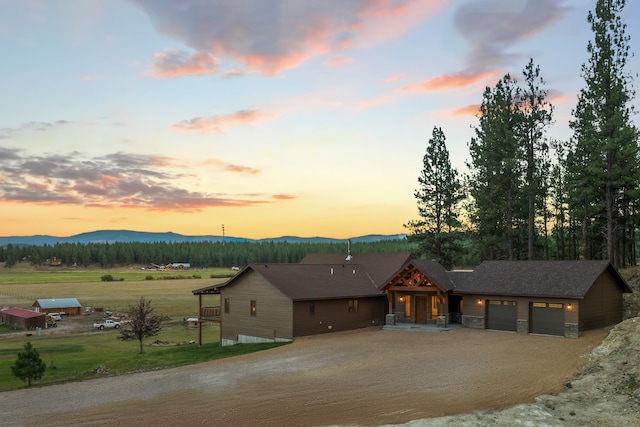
(178, 266)
(328, 292)
(21, 318)
(323, 293)
(69, 306)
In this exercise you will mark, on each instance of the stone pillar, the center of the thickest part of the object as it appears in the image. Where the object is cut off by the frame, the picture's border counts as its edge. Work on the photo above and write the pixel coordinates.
(390, 319)
(571, 330)
(522, 326)
(441, 322)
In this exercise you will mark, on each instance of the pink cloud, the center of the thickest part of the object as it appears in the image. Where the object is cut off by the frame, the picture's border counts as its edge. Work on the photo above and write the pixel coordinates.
(449, 81)
(392, 78)
(113, 181)
(269, 37)
(337, 61)
(230, 167)
(557, 97)
(232, 72)
(241, 169)
(373, 102)
(283, 197)
(469, 110)
(87, 78)
(215, 124)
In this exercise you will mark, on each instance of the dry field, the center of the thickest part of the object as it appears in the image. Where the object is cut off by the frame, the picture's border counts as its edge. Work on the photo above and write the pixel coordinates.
(169, 297)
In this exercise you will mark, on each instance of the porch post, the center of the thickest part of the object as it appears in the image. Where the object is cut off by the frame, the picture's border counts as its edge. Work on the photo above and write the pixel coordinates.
(199, 320)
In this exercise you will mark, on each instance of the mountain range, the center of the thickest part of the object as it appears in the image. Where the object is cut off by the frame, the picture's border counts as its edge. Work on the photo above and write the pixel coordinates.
(125, 236)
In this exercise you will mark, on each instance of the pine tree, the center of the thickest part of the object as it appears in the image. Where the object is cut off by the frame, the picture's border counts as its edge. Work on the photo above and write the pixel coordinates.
(438, 196)
(603, 155)
(28, 366)
(537, 114)
(495, 180)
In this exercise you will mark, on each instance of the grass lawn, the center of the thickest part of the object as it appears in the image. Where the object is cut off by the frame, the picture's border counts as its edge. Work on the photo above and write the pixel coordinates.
(85, 353)
(80, 356)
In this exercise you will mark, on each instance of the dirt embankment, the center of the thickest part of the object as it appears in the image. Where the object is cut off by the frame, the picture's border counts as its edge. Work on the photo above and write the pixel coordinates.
(605, 393)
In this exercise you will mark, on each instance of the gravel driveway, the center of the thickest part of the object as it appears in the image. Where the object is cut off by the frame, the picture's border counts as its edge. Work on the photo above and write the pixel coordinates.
(365, 377)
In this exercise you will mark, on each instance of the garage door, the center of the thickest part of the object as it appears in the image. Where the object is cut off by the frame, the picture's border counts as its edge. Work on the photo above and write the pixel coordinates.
(547, 318)
(501, 315)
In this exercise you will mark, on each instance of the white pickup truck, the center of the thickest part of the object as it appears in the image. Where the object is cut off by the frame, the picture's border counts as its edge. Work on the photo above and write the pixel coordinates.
(107, 324)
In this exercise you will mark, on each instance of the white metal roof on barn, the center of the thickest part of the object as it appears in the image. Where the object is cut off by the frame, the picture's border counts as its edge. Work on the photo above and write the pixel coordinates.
(58, 303)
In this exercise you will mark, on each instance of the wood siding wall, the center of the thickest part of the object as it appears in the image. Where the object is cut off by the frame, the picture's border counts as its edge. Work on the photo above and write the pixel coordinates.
(21, 322)
(273, 319)
(334, 315)
(602, 306)
(69, 310)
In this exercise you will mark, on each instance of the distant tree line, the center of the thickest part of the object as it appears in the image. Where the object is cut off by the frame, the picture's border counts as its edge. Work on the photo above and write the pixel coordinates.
(198, 254)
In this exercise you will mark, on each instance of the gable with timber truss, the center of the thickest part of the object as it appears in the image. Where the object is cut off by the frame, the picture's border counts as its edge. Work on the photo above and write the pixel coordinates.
(420, 276)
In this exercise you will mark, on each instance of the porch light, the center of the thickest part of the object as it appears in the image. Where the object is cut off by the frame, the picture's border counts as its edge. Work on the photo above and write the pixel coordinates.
(401, 299)
(479, 302)
(570, 307)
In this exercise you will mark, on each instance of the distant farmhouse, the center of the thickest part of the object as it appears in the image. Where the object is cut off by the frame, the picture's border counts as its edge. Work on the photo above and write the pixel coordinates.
(330, 292)
(178, 266)
(69, 306)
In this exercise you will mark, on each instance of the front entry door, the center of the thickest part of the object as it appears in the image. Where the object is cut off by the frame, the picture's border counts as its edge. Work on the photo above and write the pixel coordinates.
(422, 309)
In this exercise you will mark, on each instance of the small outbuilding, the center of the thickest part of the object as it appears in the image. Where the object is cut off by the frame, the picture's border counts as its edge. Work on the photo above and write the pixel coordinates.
(69, 306)
(21, 318)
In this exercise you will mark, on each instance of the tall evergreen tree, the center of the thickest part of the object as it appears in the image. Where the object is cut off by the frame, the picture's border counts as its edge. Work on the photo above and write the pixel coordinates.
(495, 180)
(438, 196)
(603, 157)
(537, 115)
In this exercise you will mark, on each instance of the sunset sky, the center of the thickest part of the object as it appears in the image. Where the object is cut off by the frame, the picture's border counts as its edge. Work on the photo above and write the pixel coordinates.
(272, 117)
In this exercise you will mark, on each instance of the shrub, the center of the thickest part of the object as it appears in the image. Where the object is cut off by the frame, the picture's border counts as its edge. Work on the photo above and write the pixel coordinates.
(107, 278)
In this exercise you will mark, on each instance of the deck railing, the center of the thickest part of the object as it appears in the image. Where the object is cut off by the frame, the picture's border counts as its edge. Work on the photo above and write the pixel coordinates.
(210, 312)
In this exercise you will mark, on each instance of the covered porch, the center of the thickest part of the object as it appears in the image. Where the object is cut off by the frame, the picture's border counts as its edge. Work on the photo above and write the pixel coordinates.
(420, 294)
(207, 313)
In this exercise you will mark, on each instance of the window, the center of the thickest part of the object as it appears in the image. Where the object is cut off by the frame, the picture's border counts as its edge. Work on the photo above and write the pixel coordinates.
(312, 308)
(227, 305)
(353, 306)
(253, 307)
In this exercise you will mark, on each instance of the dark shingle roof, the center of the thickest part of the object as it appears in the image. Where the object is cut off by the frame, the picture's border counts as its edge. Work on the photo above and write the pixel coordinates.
(313, 281)
(435, 272)
(571, 279)
(381, 266)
